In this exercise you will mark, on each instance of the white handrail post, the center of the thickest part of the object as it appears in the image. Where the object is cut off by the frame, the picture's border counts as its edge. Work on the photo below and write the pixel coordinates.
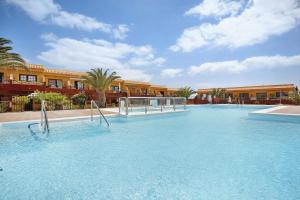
(129, 102)
(101, 114)
(119, 105)
(280, 97)
(174, 107)
(126, 105)
(46, 118)
(42, 107)
(145, 101)
(91, 110)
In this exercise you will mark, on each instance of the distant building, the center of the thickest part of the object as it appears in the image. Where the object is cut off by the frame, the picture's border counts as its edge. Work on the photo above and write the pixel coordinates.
(23, 82)
(263, 94)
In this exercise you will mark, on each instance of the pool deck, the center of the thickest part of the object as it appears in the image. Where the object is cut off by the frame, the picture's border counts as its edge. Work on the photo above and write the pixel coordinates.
(58, 114)
(69, 114)
(281, 110)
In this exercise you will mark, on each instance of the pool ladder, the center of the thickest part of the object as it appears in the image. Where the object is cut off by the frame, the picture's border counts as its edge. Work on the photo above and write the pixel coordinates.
(44, 120)
(93, 103)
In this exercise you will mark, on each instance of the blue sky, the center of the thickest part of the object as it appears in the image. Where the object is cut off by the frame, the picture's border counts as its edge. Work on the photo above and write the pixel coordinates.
(210, 43)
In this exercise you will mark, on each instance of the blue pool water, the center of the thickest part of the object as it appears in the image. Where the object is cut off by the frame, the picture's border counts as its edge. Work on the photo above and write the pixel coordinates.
(211, 152)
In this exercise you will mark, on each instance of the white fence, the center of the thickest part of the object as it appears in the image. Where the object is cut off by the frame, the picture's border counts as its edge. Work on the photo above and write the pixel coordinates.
(148, 105)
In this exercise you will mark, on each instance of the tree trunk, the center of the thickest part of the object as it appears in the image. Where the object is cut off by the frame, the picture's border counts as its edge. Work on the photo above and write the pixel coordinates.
(101, 98)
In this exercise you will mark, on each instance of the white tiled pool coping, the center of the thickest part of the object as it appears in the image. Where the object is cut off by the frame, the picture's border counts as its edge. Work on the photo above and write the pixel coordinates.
(116, 110)
(272, 111)
(61, 119)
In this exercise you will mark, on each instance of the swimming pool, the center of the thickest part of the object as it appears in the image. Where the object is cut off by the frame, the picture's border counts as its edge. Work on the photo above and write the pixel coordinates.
(211, 152)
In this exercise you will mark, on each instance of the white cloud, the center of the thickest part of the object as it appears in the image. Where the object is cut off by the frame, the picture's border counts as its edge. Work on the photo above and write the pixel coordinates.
(120, 32)
(171, 72)
(235, 66)
(79, 21)
(259, 20)
(49, 37)
(159, 61)
(147, 60)
(217, 8)
(85, 54)
(49, 12)
(37, 10)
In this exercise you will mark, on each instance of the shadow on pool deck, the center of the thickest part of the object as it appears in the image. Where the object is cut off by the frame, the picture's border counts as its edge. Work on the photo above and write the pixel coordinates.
(36, 115)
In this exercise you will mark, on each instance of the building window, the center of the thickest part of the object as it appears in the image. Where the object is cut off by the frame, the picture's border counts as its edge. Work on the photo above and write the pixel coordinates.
(23, 78)
(115, 88)
(278, 94)
(283, 94)
(244, 96)
(261, 96)
(29, 78)
(78, 85)
(55, 83)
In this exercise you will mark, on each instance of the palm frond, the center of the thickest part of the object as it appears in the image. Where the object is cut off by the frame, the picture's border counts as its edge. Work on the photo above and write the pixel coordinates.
(99, 79)
(9, 59)
(4, 41)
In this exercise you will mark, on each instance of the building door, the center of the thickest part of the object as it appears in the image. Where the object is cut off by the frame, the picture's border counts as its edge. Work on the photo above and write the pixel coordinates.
(76, 84)
(244, 96)
(29, 106)
(1, 77)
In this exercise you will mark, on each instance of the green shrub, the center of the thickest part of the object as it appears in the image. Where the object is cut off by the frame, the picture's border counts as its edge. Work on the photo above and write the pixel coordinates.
(55, 101)
(79, 99)
(185, 92)
(3, 107)
(296, 98)
(67, 104)
(20, 100)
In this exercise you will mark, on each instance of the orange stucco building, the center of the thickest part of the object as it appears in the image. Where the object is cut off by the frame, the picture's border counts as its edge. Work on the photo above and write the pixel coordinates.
(14, 82)
(256, 94)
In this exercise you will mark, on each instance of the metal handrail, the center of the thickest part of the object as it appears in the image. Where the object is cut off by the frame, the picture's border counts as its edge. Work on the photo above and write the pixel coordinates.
(146, 100)
(44, 120)
(101, 114)
(45, 116)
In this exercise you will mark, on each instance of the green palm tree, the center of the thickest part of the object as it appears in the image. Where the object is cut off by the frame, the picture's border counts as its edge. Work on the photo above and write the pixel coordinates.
(185, 92)
(218, 92)
(100, 80)
(9, 59)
